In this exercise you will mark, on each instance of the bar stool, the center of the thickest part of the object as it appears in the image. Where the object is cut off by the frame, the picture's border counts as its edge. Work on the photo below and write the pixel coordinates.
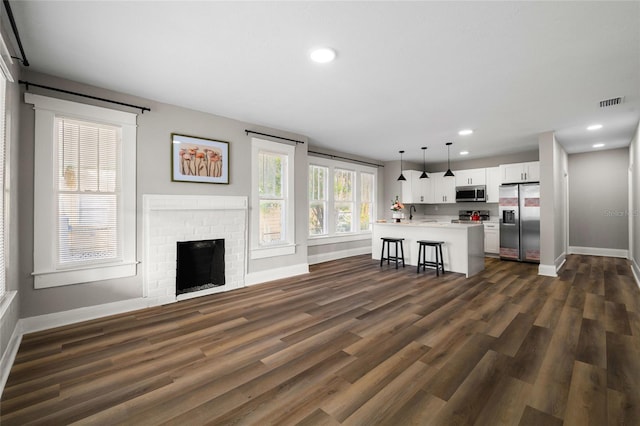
(396, 258)
(422, 255)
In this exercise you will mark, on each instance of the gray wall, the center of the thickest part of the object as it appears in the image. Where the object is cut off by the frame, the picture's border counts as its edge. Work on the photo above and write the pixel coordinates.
(153, 177)
(634, 202)
(599, 199)
(553, 202)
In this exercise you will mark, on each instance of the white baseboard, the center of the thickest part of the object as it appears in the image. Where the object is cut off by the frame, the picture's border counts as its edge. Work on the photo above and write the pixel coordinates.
(547, 270)
(10, 355)
(339, 254)
(58, 319)
(552, 270)
(560, 260)
(253, 278)
(596, 251)
(636, 271)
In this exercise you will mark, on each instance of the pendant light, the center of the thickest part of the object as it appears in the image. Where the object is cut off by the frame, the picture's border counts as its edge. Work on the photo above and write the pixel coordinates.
(424, 174)
(401, 177)
(449, 173)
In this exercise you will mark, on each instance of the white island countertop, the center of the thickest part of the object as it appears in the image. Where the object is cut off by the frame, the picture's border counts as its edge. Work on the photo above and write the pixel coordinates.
(463, 248)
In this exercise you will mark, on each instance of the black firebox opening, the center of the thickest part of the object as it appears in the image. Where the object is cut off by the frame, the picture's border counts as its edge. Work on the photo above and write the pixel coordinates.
(200, 265)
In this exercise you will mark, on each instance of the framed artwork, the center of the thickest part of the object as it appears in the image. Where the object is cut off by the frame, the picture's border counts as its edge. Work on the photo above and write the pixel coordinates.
(196, 159)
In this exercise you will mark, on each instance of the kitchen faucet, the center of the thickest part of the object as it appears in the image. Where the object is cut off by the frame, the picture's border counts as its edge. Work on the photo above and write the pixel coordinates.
(411, 214)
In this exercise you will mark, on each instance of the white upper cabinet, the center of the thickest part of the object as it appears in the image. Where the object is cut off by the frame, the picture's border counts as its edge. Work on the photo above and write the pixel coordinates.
(414, 189)
(493, 184)
(520, 172)
(470, 177)
(444, 188)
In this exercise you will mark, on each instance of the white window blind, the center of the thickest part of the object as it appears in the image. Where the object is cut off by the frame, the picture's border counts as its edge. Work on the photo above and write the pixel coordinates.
(88, 191)
(84, 219)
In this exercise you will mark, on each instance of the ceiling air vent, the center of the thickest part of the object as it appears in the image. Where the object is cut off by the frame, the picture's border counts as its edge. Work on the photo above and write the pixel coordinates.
(611, 102)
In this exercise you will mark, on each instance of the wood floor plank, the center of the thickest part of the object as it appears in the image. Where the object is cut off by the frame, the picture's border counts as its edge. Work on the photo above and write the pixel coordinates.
(506, 404)
(623, 363)
(592, 343)
(533, 417)
(616, 319)
(551, 388)
(343, 404)
(466, 403)
(527, 361)
(460, 364)
(587, 402)
(382, 407)
(622, 409)
(419, 410)
(352, 343)
(511, 339)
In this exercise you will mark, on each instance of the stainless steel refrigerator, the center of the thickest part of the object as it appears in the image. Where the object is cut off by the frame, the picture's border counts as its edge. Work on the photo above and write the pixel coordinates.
(519, 211)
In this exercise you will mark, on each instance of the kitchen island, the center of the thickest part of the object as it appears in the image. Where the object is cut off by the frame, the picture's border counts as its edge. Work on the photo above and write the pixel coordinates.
(463, 248)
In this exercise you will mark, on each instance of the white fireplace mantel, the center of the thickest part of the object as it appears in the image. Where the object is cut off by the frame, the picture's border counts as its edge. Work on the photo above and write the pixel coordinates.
(168, 219)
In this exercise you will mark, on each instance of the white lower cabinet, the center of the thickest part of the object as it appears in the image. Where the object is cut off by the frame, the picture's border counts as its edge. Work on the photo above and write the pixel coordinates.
(491, 238)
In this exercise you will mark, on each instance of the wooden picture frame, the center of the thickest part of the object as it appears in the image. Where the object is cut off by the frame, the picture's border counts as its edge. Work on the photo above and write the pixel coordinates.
(195, 159)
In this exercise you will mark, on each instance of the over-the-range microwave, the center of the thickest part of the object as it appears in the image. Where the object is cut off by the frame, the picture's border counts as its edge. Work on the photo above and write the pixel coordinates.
(471, 193)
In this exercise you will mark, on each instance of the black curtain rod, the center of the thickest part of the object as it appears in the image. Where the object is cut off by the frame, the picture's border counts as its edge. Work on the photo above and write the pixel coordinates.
(345, 158)
(27, 84)
(271, 136)
(12, 21)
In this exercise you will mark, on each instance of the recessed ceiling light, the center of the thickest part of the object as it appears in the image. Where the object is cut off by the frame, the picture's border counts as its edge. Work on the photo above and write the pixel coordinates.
(323, 55)
(465, 132)
(464, 152)
(598, 145)
(595, 127)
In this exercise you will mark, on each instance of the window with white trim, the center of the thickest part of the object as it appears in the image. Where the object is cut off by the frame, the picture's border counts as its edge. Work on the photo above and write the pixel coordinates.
(318, 176)
(3, 88)
(341, 200)
(273, 217)
(367, 185)
(84, 203)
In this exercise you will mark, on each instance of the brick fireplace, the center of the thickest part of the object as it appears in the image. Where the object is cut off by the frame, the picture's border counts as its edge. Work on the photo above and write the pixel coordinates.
(168, 219)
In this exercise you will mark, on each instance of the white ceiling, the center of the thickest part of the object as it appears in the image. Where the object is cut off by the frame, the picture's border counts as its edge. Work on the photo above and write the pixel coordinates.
(407, 74)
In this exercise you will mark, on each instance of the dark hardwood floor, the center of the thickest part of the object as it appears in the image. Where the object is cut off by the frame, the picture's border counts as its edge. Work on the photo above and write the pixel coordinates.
(352, 343)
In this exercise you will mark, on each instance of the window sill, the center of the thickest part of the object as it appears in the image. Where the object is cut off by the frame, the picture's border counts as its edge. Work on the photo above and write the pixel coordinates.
(334, 239)
(49, 279)
(264, 252)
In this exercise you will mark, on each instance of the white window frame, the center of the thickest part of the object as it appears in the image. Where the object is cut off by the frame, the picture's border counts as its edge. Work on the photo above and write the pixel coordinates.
(357, 235)
(46, 274)
(5, 76)
(354, 205)
(324, 201)
(288, 246)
